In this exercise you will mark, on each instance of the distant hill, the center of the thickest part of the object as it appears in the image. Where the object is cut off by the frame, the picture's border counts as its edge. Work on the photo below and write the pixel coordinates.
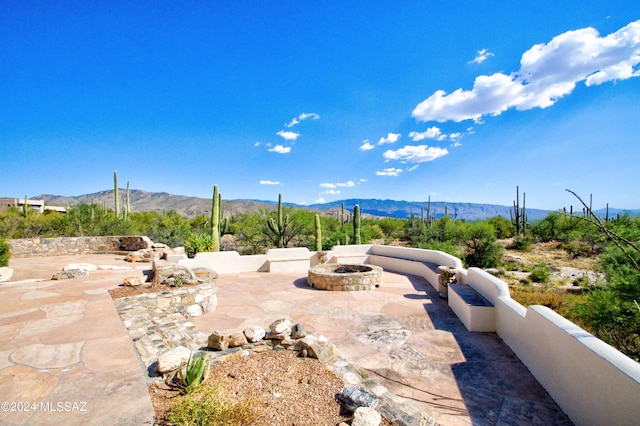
(192, 206)
(402, 209)
(160, 201)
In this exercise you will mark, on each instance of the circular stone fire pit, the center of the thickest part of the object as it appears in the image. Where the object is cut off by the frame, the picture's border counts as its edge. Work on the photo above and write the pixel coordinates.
(337, 277)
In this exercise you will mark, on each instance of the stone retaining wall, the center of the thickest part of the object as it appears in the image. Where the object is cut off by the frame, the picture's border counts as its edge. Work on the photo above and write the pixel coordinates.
(63, 246)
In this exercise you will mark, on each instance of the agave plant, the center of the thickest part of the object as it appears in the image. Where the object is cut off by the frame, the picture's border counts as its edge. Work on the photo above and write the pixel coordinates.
(193, 375)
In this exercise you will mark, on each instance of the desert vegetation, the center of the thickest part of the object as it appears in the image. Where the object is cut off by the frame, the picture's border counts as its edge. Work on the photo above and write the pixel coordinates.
(529, 256)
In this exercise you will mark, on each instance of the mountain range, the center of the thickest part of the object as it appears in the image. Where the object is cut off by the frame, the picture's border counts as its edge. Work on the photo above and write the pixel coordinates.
(192, 206)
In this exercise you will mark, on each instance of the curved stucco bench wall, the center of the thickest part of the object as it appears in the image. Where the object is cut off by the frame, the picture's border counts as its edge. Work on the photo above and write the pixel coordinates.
(591, 381)
(227, 262)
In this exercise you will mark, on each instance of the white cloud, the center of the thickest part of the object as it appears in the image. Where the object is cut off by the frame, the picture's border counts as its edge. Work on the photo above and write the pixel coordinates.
(389, 172)
(257, 144)
(431, 133)
(270, 182)
(366, 145)
(415, 153)
(348, 184)
(391, 138)
(363, 180)
(547, 73)
(412, 168)
(302, 117)
(280, 149)
(481, 56)
(290, 136)
(331, 192)
(320, 200)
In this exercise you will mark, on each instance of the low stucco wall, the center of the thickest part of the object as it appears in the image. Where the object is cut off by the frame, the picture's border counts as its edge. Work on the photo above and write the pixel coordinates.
(227, 262)
(29, 247)
(591, 381)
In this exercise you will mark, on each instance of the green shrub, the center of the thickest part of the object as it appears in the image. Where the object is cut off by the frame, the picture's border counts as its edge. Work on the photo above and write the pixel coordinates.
(198, 243)
(482, 249)
(540, 273)
(522, 243)
(5, 252)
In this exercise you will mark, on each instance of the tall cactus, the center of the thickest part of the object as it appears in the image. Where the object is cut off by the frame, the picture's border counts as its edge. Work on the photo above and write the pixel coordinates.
(519, 215)
(127, 207)
(356, 224)
(318, 233)
(215, 220)
(116, 195)
(429, 211)
(279, 228)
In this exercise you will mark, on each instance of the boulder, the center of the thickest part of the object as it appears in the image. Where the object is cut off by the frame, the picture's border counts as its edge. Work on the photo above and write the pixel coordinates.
(298, 331)
(218, 340)
(89, 267)
(194, 310)
(254, 334)
(237, 339)
(366, 416)
(172, 360)
(354, 397)
(70, 274)
(318, 347)
(134, 281)
(5, 274)
(166, 273)
(280, 325)
(135, 243)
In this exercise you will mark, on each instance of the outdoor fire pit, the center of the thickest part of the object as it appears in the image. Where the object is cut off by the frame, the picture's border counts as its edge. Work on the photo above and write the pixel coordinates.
(337, 277)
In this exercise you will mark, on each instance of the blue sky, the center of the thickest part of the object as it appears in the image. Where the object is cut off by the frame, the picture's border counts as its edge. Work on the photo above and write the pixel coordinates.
(322, 101)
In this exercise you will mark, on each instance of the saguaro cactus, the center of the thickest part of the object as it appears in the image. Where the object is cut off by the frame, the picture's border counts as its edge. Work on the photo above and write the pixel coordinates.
(127, 206)
(279, 228)
(356, 224)
(116, 195)
(215, 220)
(519, 215)
(318, 233)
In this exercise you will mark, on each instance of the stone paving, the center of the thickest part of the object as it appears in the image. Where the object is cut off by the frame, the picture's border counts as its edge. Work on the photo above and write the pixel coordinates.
(404, 337)
(63, 341)
(65, 355)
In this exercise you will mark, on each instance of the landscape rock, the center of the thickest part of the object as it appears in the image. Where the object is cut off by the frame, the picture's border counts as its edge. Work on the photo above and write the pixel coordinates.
(113, 267)
(204, 275)
(172, 360)
(135, 243)
(319, 347)
(89, 267)
(354, 397)
(298, 331)
(135, 281)
(280, 325)
(254, 334)
(366, 416)
(194, 310)
(146, 255)
(279, 336)
(237, 339)
(69, 274)
(165, 273)
(218, 340)
(5, 274)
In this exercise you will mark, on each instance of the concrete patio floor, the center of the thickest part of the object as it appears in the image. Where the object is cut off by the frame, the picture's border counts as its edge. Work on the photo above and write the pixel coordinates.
(63, 341)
